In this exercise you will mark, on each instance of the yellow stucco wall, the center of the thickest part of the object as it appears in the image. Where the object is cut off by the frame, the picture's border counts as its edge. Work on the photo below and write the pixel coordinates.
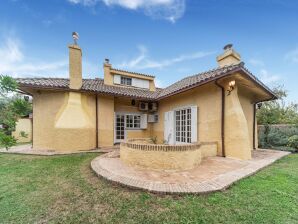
(75, 121)
(75, 66)
(49, 107)
(105, 121)
(123, 105)
(53, 129)
(165, 157)
(208, 100)
(208, 149)
(45, 107)
(23, 125)
(109, 73)
(247, 106)
(237, 137)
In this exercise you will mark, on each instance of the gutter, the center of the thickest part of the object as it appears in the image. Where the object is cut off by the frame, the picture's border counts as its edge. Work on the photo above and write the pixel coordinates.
(254, 127)
(222, 118)
(96, 120)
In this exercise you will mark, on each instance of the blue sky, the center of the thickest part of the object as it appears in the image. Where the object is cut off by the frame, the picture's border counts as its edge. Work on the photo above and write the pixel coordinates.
(167, 38)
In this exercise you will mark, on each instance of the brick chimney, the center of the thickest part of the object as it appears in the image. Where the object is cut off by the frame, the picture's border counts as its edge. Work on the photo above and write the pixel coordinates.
(108, 77)
(75, 66)
(229, 57)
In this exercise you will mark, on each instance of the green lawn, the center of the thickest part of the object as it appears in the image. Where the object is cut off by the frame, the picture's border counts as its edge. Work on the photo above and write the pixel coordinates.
(63, 189)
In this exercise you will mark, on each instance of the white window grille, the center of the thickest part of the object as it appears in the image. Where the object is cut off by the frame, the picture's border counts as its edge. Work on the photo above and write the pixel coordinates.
(126, 81)
(183, 125)
(133, 121)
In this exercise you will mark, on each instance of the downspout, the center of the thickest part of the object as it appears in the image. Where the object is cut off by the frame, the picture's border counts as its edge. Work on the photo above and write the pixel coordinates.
(254, 127)
(96, 120)
(222, 118)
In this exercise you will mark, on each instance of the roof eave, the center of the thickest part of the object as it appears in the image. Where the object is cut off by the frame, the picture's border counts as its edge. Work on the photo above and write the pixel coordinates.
(238, 69)
(82, 91)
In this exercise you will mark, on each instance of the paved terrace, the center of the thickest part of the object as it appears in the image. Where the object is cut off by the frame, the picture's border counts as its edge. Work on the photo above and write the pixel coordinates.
(27, 149)
(213, 174)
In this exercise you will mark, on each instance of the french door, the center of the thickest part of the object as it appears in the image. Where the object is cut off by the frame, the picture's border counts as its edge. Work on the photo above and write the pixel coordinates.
(183, 125)
(120, 132)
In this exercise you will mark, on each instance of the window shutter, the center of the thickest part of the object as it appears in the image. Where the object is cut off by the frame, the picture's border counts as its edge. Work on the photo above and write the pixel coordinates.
(169, 127)
(194, 124)
(134, 82)
(146, 84)
(117, 79)
(165, 126)
(140, 83)
(144, 121)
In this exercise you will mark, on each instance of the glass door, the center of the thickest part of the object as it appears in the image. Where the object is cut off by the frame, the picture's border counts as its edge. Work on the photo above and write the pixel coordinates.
(119, 128)
(183, 125)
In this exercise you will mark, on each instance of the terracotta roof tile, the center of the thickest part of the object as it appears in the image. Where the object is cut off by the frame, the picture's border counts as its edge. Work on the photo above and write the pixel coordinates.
(136, 73)
(97, 85)
(90, 85)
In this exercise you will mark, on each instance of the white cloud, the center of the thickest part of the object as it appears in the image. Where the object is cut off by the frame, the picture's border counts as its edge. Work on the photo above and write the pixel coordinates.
(158, 83)
(15, 63)
(256, 62)
(268, 78)
(170, 10)
(292, 55)
(142, 61)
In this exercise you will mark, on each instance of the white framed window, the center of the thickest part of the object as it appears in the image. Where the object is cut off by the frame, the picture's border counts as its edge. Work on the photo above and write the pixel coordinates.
(183, 130)
(133, 121)
(126, 81)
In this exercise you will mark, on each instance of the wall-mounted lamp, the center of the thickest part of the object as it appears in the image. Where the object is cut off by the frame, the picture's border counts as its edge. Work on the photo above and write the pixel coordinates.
(231, 86)
(259, 105)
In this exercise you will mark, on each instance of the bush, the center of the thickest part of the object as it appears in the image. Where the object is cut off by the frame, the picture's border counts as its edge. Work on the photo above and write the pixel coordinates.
(276, 136)
(7, 140)
(293, 142)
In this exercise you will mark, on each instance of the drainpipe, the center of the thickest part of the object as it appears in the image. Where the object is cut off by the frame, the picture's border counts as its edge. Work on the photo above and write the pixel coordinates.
(254, 127)
(222, 118)
(96, 121)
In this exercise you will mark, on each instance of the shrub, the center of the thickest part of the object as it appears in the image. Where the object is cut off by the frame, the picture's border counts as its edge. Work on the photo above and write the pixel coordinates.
(7, 140)
(276, 136)
(23, 134)
(154, 139)
(293, 142)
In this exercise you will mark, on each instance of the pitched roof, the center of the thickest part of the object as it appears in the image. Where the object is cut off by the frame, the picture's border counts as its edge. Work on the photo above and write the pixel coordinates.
(97, 85)
(135, 73)
(89, 85)
(208, 76)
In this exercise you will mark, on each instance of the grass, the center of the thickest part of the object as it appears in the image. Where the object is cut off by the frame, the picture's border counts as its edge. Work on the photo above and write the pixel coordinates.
(63, 189)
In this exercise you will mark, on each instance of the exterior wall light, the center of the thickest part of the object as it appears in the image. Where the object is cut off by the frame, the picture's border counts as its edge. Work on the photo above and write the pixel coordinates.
(259, 105)
(231, 86)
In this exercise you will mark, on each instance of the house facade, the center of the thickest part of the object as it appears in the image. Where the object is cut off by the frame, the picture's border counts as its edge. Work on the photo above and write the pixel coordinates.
(82, 114)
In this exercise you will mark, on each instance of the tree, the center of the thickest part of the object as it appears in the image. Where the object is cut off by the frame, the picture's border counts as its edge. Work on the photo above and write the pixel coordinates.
(278, 111)
(12, 107)
(7, 85)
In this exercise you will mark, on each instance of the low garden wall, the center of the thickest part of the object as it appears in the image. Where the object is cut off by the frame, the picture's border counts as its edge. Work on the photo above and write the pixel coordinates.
(145, 154)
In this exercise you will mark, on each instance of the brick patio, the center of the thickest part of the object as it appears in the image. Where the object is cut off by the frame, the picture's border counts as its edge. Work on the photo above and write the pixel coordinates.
(27, 149)
(213, 174)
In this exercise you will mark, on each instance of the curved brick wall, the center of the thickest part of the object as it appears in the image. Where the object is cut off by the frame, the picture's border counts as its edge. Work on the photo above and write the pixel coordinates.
(142, 153)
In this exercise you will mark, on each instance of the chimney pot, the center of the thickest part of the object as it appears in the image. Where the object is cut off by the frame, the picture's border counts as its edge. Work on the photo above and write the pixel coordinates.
(228, 47)
(107, 60)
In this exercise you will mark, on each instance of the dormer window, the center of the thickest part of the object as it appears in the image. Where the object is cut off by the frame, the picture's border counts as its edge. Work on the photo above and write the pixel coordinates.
(131, 81)
(126, 81)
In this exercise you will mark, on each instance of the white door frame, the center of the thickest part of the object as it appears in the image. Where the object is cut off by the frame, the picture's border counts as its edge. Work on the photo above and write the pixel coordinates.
(115, 128)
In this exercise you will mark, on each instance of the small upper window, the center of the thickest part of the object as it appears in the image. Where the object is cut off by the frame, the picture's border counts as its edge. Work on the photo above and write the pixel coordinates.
(125, 81)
